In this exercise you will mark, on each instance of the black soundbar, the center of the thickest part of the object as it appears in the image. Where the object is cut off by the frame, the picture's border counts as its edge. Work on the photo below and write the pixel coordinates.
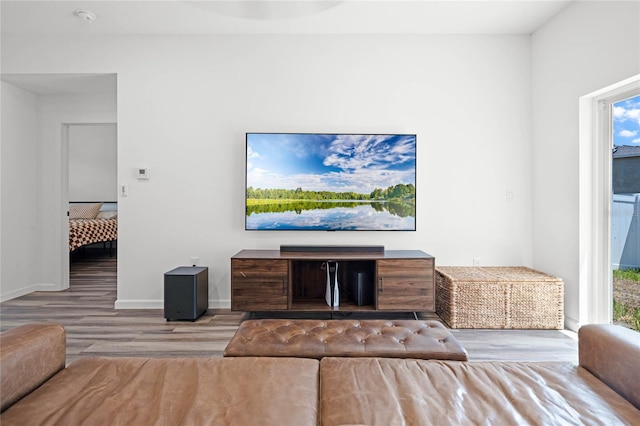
(334, 249)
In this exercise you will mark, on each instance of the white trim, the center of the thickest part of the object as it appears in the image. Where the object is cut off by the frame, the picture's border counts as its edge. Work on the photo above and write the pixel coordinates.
(159, 304)
(64, 207)
(26, 290)
(595, 156)
(571, 323)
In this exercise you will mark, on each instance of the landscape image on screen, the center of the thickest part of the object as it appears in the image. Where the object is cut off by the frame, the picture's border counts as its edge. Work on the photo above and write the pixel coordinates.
(330, 182)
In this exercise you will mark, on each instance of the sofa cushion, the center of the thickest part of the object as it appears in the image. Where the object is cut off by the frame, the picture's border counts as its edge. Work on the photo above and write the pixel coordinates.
(311, 338)
(378, 391)
(174, 391)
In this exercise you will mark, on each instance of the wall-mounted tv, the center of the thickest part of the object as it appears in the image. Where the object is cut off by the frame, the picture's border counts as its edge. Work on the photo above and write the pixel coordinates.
(330, 182)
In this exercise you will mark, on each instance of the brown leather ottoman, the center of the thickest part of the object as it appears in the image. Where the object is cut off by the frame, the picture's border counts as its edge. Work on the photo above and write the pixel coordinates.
(345, 338)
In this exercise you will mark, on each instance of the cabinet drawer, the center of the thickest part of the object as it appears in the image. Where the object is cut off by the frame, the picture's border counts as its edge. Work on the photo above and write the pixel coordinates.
(259, 268)
(406, 284)
(259, 295)
(406, 268)
(410, 293)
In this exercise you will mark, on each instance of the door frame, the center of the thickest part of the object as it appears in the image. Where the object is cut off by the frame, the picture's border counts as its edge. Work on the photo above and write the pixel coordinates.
(596, 195)
(65, 191)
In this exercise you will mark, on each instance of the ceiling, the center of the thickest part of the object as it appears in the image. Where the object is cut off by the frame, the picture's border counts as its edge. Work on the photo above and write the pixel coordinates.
(119, 17)
(279, 17)
(66, 84)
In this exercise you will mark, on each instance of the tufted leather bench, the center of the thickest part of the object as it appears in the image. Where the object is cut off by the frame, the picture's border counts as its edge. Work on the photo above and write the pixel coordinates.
(345, 338)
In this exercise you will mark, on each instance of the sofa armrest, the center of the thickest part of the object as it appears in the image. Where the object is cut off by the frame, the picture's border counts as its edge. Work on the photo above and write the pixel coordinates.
(612, 354)
(29, 355)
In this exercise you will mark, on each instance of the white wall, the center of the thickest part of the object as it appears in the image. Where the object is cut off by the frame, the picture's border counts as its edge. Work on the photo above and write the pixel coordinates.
(185, 102)
(93, 162)
(586, 47)
(20, 193)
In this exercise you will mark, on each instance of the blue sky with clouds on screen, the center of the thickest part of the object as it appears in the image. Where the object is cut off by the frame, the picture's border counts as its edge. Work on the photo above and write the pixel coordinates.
(340, 163)
(626, 122)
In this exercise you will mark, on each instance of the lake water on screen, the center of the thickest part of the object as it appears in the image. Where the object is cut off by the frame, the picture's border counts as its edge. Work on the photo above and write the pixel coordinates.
(358, 218)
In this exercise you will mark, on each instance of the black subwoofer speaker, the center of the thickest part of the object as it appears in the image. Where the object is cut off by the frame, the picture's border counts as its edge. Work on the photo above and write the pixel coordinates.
(186, 293)
(360, 287)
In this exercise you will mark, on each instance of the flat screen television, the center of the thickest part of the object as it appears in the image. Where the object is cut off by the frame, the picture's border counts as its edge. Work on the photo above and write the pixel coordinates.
(330, 182)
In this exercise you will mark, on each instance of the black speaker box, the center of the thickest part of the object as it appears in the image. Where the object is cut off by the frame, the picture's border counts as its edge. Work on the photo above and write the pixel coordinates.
(360, 287)
(186, 293)
(329, 249)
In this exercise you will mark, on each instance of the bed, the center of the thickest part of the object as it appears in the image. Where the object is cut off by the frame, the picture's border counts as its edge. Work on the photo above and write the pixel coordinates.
(92, 222)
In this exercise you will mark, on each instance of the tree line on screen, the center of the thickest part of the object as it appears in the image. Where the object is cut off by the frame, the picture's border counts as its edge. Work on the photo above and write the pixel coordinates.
(400, 192)
(395, 208)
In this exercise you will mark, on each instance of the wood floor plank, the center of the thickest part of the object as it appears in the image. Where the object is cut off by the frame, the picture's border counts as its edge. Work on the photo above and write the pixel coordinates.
(95, 328)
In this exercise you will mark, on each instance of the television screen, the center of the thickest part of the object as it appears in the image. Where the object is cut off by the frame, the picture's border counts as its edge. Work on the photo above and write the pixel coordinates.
(330, 182)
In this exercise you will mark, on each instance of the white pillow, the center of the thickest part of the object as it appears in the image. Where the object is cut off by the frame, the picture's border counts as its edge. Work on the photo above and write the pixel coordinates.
(84, 211)
(109, 214)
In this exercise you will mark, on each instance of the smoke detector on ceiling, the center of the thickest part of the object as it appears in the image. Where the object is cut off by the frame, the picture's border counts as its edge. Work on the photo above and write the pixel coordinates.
(85, 15)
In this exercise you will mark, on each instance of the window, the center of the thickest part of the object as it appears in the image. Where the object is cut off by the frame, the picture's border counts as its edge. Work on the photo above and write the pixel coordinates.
(625, 209)
(595, 157)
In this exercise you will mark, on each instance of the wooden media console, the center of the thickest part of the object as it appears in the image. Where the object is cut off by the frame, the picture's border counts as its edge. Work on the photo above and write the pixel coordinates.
(391, 281)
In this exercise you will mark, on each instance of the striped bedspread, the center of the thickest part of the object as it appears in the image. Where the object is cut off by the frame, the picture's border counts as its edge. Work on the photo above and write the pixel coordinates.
(89, 231)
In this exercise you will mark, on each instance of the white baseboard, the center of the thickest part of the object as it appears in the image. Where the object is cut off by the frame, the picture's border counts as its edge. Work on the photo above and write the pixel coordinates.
(571, 324)
(26, 290)
(159, 304)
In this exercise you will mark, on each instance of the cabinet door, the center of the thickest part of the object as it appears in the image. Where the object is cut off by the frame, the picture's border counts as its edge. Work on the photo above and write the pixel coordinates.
(259, 284)
(406, 285)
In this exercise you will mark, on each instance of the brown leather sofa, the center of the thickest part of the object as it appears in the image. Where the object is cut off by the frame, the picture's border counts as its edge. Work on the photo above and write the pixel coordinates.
(37, 388)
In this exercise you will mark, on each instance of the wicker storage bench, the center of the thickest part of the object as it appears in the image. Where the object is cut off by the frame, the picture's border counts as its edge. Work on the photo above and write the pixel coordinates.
(499, 297)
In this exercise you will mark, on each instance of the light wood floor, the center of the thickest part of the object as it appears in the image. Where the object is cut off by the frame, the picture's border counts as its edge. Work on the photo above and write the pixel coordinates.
(95, 328)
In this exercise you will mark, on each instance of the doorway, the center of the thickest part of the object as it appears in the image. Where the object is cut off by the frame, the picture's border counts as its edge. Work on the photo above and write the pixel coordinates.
(595, 153)
(91, 154)
(625, 208)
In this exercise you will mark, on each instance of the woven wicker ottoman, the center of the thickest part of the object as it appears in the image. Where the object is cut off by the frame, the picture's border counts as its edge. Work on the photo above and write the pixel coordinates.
(499, 297)
(302, 338)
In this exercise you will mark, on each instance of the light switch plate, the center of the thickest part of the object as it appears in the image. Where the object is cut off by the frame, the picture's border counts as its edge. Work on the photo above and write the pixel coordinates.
(142, 173)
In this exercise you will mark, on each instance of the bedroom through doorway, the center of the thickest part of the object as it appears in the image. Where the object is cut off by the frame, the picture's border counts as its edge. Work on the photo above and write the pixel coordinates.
(92, 190)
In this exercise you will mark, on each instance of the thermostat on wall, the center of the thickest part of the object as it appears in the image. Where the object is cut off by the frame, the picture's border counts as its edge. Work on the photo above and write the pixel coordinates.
(142, 173)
